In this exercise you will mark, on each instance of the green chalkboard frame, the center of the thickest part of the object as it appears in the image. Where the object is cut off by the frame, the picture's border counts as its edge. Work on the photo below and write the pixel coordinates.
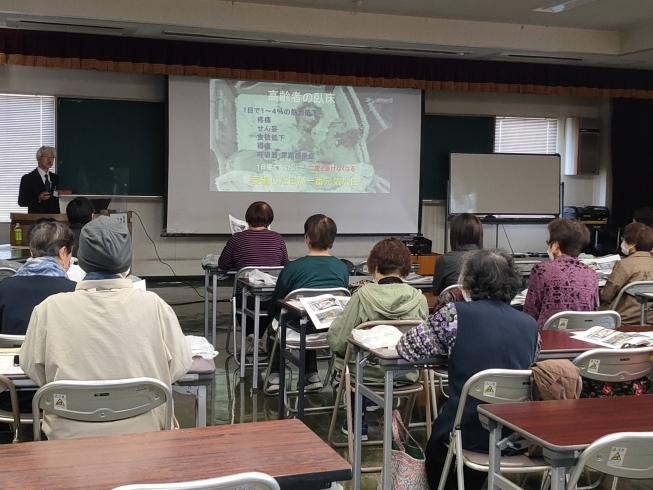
(443, 135)
(111, 147)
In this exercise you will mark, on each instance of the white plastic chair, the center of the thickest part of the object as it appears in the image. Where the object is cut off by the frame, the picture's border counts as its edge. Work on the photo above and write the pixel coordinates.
(622, 455)
(251, 480)
(615, 365)
(312, 343)
(11, 341)
(631, 289)
(583, 320)
(102, 401)
(511, 386)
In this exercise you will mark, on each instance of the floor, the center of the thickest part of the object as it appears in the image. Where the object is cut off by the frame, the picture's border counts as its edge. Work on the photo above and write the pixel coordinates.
(232, 400)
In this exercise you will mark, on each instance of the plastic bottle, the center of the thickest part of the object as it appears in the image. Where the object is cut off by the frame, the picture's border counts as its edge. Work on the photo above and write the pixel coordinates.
(18, 234)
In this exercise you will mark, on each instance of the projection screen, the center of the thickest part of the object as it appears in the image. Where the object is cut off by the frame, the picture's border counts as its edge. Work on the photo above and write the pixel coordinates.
(352, 153)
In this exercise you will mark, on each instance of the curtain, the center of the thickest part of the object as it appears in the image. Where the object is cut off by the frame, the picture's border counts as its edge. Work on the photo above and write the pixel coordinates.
(158, 56)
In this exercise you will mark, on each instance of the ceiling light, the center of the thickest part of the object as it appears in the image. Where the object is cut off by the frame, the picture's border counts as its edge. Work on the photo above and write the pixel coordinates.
(556, 8)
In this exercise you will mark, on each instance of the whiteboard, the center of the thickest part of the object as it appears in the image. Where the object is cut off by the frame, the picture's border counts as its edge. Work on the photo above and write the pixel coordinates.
(504, 183)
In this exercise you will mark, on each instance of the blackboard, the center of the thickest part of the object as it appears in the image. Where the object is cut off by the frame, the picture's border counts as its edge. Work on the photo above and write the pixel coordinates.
(111, 147)
(442, 135)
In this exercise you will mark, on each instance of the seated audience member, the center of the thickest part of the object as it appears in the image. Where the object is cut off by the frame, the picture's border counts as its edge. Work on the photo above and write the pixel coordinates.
(79, 212)
(563, 283)
(636, 266)
(481, 333)
(387, 298)
(317, 270)
(104, 330)
(43, 275)
(257, 246)
(466, 234)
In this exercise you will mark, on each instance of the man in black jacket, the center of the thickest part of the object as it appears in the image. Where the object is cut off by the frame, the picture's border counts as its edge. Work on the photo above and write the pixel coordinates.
(39, 189)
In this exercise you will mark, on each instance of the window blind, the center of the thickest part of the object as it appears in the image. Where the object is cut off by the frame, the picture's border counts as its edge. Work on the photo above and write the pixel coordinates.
(525, 135)
(26, 124)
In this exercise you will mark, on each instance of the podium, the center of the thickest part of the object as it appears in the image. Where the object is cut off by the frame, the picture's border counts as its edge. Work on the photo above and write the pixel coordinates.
(26, 221)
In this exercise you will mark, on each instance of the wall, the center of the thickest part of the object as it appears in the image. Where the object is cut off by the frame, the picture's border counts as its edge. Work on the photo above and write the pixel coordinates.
(184, 253)
(595, 190)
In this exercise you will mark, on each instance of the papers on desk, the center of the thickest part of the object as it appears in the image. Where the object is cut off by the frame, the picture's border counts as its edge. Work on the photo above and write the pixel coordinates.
(7, 363)
(520, 298)
(615, 339)
(602, 265)
(199, 346)
(323, 309)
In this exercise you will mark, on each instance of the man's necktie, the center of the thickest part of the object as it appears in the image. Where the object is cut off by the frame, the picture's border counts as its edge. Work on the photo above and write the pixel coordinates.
(47, 183)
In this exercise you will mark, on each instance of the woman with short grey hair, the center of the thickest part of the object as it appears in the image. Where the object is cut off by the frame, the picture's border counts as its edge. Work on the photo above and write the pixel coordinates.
(482, 332)
(51, 244)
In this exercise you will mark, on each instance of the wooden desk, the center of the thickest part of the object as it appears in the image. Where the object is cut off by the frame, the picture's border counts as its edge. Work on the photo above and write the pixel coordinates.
(563, 427)
(559, 344)
(103, 463)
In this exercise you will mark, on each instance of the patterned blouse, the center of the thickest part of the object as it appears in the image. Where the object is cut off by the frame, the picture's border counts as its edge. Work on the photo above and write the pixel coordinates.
(435, 337)
(564, 284)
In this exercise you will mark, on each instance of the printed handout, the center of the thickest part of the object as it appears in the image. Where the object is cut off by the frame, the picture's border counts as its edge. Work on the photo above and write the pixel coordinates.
(322, 310)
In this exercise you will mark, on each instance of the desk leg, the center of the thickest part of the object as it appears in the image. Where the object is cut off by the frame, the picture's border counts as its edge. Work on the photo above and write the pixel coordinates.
(358, 418)
(387, 431)
(302, 370)
(281, 331)
(257, 311)
(558, 477)
(215, 309)
(243, 333)
(495, 455)
(206, 304)
(201, 406)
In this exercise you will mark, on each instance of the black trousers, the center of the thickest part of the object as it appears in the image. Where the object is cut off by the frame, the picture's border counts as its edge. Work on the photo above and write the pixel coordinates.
(263, 321)
(436, 455)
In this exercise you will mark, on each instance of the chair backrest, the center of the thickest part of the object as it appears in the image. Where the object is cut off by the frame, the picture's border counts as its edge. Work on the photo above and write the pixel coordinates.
(615, 365)
(582, 320)
(11, 341)
(496, 386)
(361, 269)
(6, 272)
(632, 288)
(102, 401)
(7, 385)
(252, 480)
(623, 455)
(449, 288)
(308, 292)
(245, 271)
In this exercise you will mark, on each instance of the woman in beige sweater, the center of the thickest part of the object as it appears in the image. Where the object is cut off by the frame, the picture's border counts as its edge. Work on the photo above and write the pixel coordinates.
(636, 266)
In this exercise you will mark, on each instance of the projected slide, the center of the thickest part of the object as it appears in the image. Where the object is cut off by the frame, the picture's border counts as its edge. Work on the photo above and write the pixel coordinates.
(279, 137)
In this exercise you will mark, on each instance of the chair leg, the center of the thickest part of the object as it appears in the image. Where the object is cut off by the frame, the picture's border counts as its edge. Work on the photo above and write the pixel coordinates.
(615, 480)
(270, 362)
(459, 460)
(447, 465)
(427, 402)
(350, 422)
(334, 416)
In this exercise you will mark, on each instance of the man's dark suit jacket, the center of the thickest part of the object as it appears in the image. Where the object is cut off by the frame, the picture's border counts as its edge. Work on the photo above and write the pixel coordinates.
(31, 185)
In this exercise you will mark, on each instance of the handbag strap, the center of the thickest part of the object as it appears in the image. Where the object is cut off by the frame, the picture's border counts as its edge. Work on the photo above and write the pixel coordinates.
(400, 433)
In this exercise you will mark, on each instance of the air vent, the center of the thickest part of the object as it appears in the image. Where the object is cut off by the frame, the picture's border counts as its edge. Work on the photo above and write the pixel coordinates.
(76, 26)
(216, 37)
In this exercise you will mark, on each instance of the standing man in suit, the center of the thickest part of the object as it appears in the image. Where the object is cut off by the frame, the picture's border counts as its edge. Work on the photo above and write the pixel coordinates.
(39, 189)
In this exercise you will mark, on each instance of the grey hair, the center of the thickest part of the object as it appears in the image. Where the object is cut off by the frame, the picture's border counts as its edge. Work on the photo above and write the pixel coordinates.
(43, 149)
(490, 274)
(47, 237)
